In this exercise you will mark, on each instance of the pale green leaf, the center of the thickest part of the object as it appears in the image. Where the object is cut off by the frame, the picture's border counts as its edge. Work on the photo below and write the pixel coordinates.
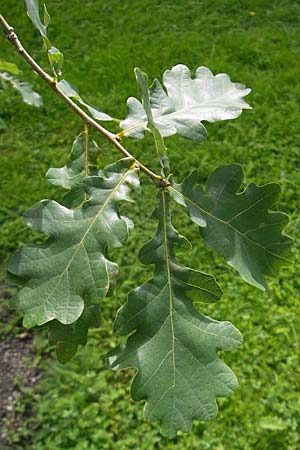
(239, 226)
(9, 67)
(186, 103)
(56, 59)
(161, 151)
(25, 89)
(71, 270)
(69, 90)
(34, 14)
(142, 81)
(173, 346)
(82, 161)
(72, 92)
(47, 17)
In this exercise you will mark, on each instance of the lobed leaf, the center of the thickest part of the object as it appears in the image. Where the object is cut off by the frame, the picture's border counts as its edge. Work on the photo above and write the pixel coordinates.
(77, 244)
(239, 226)
(173, 346)
(82, 161)
(185, 103)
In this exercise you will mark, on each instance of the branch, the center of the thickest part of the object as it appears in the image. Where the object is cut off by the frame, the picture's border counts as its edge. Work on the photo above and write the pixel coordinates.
(14, 40)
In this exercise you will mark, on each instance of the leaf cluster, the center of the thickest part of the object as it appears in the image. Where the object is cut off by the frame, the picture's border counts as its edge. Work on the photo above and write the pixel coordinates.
(172, 345)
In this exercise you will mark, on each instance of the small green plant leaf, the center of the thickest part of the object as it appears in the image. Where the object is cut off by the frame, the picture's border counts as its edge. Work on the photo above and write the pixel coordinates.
(239, 226)
(72, 92)
(29, 96)
(47, 17)
(173, 346)
(82, 161)
(34, 14)
(142, 81)
(56, 59)
(186, 103)
(69, 89)
(72, 269)
(9, 67)
(161, 150)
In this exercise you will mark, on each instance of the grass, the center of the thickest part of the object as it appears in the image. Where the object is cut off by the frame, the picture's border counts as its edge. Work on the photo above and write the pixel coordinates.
(83, 405)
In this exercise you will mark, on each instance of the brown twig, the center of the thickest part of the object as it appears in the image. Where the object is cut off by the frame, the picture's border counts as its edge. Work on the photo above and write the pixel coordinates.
(14, 40)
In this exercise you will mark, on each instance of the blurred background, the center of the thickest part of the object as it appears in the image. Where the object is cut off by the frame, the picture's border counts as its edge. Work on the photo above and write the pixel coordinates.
(83, 405)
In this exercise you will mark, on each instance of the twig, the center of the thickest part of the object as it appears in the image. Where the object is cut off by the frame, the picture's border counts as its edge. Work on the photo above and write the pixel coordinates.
(13, 38)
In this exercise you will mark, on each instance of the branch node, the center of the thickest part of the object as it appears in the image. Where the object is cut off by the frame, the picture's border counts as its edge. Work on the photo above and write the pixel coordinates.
(162, 182)
(52, 82)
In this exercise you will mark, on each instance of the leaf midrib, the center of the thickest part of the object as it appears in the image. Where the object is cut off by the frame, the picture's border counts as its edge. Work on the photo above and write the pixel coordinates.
(80, 243)
(227, 224)
(158, 116)
(167, 256)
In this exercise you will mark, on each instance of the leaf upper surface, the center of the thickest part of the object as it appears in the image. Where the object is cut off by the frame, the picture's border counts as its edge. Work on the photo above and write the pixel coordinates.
(78, 241)
(239, 226)
(81, 162)
(9, 67)
(173, 346)
(186, 103)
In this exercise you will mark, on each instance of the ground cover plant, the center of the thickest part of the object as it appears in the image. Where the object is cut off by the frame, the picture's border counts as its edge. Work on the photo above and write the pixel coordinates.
(204, 172)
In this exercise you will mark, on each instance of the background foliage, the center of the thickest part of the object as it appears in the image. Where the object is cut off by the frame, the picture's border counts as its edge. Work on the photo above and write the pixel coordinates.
(83, 405)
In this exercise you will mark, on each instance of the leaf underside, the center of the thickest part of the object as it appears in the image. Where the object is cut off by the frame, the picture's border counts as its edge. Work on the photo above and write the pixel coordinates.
(33, 13)
(239, 226)
(72, 92)
(29, 96)
(173, 346)
(65, 278)
(185, 104)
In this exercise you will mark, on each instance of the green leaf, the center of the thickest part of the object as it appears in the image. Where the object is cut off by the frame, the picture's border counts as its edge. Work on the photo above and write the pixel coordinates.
(82, 161)
(69, 90)
(173, 346)
(72, 92)
(33, 13)
(56, 59)
(186, 103)
(67, 338)
(9, 67)
(25, 89)
(142, 81)
(47, 17)
(161, 151)
(239, 226)
(71, 270)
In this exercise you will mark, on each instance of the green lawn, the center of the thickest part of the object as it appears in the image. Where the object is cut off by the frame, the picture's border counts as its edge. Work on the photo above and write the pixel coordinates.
(83, 405)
